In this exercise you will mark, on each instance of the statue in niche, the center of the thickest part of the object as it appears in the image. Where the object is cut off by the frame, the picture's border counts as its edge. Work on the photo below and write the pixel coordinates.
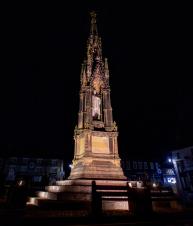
(96, 106)
(97, 82)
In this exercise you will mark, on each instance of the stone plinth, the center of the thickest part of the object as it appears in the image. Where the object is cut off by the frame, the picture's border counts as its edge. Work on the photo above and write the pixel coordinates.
(88, 195)
(102, 196)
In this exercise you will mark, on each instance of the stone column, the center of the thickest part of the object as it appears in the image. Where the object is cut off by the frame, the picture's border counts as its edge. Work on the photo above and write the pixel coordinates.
(80, 113)
(108, 118)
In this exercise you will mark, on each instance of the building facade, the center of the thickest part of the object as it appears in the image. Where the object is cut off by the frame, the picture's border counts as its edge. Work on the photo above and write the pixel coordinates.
(37, 171)
(143, 170)
(181, 162)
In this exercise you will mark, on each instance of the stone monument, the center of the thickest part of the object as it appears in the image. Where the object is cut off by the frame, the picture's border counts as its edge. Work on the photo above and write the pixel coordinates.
(96, 182)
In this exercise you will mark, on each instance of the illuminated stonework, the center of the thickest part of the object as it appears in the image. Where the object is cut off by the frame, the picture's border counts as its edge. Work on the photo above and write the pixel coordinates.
(96, 148)
(100, 145)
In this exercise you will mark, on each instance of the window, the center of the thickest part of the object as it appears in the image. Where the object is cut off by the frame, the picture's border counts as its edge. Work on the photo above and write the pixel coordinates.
(152, 165)
(180, 165)
(39, 169)
(23, 168)
(140, 165)
(145, 165)
(25, 160)
(53, 170)
(128, 166)
(37, 178)
(39, 161)
(170, 171)
(134, 165)
(54, 162)
(13, 160)
(178, 155)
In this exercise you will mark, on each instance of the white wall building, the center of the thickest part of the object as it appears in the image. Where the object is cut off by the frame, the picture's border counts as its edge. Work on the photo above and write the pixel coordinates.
(182, 160)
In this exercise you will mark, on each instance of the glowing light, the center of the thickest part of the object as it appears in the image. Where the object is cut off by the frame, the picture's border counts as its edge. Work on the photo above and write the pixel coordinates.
(130, 184)
(54, 188)
(171, 180)
(32, 201)
(169, 160)
(71, 166)
(43, 194)
(20, 183)
(154, 185)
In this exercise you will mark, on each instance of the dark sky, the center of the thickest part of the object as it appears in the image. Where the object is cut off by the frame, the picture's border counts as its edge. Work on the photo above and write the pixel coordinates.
(149, 48)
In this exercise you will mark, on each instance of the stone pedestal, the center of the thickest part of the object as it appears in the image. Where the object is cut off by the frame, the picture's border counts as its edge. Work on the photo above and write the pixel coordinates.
(96, 156)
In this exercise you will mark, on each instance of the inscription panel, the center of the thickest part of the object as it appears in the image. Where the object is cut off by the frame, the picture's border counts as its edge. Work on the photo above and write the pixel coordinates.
(100, 144)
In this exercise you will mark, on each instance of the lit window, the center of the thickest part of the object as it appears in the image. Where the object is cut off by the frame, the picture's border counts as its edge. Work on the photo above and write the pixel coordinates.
(171, 180)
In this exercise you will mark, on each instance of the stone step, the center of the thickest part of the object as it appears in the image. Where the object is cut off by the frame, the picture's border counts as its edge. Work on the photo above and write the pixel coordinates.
(89, 182)
(33, 201)
(59, 204)
(46, 195)
(68, 196)
(119, 197)
(69, 188)
(39, 213)
(160, 198)
(74, 196)
(74, 182)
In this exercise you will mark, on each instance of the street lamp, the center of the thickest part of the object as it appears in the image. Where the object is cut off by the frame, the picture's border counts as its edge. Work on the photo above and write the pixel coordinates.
(71, 166)
(169, 160)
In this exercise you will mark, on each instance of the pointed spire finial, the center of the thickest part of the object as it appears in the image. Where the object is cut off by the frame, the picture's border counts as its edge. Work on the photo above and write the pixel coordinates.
(83, 78)
(93, 29)
(106, 68)
(93, 14)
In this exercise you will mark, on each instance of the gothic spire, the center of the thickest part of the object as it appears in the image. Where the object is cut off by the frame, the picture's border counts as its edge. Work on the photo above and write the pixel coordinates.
(83, 78)
(95, 104)
(94, 48)
(93, 28)
(106, 70)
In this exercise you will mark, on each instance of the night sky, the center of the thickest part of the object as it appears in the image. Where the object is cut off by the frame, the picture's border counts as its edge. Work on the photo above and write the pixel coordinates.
(149, 48)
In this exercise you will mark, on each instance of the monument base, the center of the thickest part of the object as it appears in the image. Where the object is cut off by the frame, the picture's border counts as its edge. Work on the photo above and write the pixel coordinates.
(92, 196)
(84, 197)
(97, 169)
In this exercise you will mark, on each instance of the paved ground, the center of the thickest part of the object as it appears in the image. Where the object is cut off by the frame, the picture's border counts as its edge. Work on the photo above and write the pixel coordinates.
(18, 218)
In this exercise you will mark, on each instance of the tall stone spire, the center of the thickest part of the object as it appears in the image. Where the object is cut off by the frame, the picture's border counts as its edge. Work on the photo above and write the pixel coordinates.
(94, 48)
(95, 106)
(107, 71)
(96, 147)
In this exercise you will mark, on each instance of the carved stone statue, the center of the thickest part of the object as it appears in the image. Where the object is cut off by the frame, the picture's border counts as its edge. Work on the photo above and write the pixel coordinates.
(96, 106)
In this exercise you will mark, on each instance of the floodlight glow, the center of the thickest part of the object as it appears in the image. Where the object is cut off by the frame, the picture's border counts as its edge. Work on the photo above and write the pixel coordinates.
(169, 160)
(154, 185)
(171, 180)
(130, 184)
